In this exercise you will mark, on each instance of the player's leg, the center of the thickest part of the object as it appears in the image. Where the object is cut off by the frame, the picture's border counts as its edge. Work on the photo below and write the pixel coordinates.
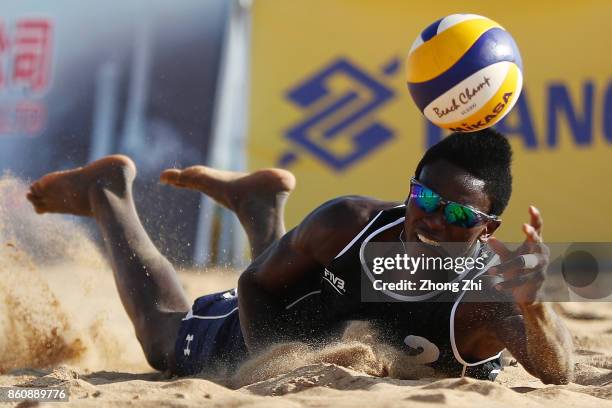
(258, 198)
(147, 283)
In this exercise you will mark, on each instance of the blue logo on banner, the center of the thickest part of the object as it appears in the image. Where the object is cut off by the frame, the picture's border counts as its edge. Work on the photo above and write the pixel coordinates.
(332, 116)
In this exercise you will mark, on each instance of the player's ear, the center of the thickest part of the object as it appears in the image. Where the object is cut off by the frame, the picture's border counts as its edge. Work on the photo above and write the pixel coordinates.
(489, 229)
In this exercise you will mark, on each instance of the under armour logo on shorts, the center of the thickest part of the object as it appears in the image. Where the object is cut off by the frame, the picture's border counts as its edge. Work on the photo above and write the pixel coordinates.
(188, 339)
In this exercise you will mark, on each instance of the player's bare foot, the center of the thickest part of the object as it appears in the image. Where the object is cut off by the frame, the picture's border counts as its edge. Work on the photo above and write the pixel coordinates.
(69, 191)
(233, 190)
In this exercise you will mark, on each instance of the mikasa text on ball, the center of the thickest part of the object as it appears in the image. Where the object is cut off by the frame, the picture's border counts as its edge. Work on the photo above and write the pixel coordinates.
(464, 72)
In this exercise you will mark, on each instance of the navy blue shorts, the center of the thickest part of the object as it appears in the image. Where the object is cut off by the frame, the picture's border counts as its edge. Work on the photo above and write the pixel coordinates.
(210, 339)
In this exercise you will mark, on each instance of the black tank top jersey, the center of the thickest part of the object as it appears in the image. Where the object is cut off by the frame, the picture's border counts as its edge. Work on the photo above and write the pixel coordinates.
(423, 328)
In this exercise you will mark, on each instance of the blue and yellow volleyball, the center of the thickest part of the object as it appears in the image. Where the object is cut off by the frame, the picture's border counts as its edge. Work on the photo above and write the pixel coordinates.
(464, 72)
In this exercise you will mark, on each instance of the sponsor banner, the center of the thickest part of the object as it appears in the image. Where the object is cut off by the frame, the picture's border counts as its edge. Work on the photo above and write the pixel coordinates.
(329, 102)
(80, 80)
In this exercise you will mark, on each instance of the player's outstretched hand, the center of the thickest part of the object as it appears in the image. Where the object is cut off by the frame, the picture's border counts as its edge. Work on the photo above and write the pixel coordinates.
(522, 271)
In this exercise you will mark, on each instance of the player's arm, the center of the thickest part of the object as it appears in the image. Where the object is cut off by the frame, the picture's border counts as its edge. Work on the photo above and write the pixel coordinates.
(539, 340)
(535, 335)
(294, 261)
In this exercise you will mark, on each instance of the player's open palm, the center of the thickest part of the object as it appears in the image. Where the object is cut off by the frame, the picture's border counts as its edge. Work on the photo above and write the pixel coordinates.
(523, 270)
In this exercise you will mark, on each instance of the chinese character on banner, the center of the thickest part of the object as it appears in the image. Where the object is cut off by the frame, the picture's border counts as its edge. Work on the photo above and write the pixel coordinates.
(31, 49)
(25, 73)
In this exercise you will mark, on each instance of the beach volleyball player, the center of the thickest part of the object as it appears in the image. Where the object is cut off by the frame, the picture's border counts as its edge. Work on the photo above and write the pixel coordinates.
(304, 284)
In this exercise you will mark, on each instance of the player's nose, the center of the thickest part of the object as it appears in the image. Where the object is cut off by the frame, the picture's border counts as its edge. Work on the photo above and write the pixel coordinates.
(435, 221)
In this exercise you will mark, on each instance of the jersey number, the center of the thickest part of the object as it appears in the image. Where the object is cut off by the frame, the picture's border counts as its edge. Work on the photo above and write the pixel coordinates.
(421, 350)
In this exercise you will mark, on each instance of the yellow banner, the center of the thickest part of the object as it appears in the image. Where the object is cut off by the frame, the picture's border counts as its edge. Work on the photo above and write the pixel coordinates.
(329, 102)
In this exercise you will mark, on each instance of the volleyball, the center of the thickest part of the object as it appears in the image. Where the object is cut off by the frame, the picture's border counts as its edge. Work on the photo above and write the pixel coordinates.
(464, 72)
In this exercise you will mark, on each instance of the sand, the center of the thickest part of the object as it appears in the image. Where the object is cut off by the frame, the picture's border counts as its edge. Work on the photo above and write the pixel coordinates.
(62, 324)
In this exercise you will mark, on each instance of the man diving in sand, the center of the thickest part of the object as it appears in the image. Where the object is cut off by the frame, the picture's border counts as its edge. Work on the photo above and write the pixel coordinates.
(304, 284)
